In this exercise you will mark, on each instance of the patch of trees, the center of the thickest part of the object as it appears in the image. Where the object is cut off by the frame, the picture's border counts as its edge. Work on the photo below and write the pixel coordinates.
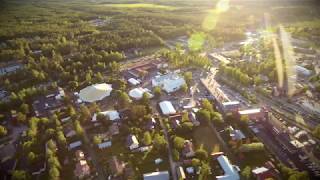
(251, 147)
(288, 173)
(178, 59)
(236, 74)
(208, 114)
(316, 131)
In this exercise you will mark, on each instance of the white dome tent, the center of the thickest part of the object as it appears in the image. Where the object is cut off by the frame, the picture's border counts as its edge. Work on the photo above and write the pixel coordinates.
(137, 93)
(95, 92)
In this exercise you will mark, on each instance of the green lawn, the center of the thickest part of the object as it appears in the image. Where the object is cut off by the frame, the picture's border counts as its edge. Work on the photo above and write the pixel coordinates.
(204, 136)
(140, 5)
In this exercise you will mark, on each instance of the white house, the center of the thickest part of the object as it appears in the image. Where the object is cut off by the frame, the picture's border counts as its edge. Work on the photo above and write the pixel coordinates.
(167, 108)
(162, 175)
(105, 145)
(170, 82)
(137, 93)
(112, 115)
(134, 81)
(132, 142)
(75, 145)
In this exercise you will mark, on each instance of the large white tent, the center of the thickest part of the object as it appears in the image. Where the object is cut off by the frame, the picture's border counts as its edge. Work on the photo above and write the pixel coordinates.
(95, 92)
(137, 93)
(167, 108)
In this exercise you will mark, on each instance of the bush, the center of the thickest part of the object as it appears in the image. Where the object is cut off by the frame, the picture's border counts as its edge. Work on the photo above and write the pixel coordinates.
(251, 147)
(3, 131)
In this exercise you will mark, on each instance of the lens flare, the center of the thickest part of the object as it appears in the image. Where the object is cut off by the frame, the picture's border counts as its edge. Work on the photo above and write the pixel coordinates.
(196, 41)
(279, 64)
(222, 6)
(290, 61)
(210, 21)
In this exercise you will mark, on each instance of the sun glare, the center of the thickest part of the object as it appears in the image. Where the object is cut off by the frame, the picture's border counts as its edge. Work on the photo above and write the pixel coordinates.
(290, 61)
(222, 6)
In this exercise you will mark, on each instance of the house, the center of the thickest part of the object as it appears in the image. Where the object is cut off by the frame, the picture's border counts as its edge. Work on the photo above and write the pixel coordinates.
(162, 175)
(133, 81)
(190, 170)
(137, 93)
(95, 92)
(255, 114)
(132, 142)
(167, 108)
(193, 119)
(181, 174)
(116, 166)
(75, 145)
(302, 71)
(47, 105)
(66, 119)
(151, 124)
(236, 134)
(231, 172)
(69, 132)
(188, 150)
(105, 145)
(230, 106)
(175, 120)
(112, 115)
(262, 173)
(158, 161)
(144, 148)
(170, 82)
(10, 68)
(82, 169)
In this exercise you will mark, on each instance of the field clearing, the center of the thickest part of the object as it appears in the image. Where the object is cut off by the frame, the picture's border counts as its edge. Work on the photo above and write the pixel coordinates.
(140, 5)
(203, 135)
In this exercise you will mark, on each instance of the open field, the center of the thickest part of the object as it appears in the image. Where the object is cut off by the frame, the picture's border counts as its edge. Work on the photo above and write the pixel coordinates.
(203, 136)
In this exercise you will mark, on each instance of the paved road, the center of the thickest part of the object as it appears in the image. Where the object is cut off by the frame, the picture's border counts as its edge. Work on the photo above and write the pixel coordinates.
(172, 163)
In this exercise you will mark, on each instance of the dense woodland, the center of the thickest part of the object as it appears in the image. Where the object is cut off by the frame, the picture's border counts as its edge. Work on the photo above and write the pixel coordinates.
(77, 43)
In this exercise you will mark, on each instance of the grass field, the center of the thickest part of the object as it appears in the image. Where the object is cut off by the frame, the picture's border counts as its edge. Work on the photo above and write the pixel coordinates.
(204, 136)
(141, 5)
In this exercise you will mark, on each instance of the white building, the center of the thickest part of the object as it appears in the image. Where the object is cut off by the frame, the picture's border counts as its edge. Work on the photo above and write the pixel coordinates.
(162, 175)
(132, 142)
(95, 92)
(112, 115)
(75, 145)
(137, 93)
(170, 82)
(133, 81)
(105, 145)
(167, 108)
(231, 172)
(302, 71)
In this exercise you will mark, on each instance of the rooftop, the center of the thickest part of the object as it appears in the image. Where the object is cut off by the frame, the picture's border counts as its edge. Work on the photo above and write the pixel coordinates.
(95, 92)
(162, 175)
(170, 82)
(167, 108)
(250, 111)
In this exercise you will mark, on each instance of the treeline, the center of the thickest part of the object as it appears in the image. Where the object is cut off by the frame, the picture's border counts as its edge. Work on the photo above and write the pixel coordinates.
(178, 58)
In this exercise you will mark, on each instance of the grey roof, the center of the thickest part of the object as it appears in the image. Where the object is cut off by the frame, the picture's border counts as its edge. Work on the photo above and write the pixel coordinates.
(162, 175)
